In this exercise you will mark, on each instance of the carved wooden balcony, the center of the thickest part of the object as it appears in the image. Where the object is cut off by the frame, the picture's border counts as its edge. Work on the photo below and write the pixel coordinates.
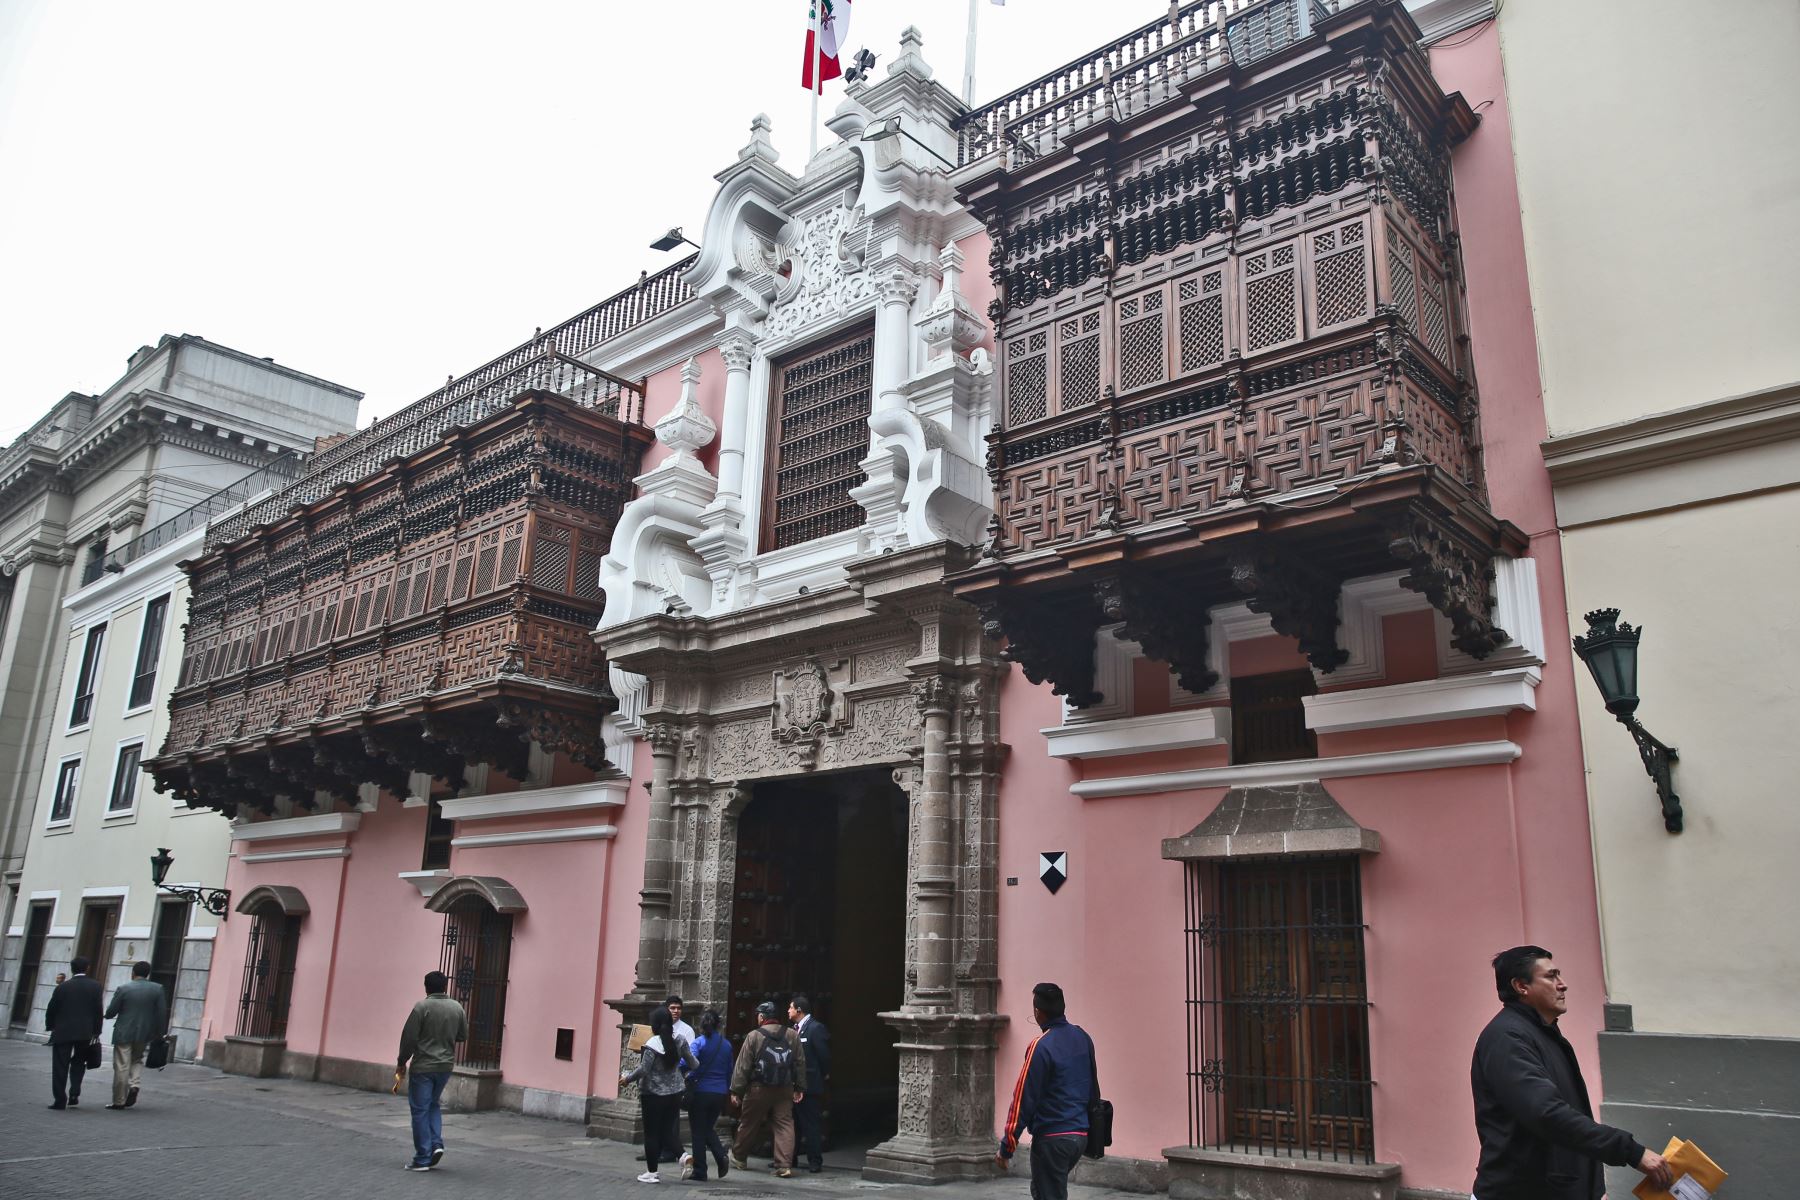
(431, 612)
(1231, 343)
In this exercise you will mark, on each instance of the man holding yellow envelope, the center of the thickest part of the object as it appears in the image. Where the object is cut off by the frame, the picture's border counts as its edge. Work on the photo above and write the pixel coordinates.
(1539, 1139)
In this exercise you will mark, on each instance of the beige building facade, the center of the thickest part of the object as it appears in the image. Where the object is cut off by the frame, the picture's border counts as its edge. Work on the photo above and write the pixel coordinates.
(99, 501)
(1659, 182)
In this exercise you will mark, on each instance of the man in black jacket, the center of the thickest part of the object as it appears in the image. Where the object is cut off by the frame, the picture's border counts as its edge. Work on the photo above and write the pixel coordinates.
(815, 1040)
(1539, 1139)
(73, 1019)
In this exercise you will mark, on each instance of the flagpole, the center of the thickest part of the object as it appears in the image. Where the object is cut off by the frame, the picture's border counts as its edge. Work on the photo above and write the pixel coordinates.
(969, 59)
(817, 70)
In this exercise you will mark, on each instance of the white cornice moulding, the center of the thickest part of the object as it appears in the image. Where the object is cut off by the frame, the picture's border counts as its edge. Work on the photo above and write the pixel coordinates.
(606, 793)
(132, 933)
(1186, 729)
(317, 825)
(1455, 698)
(428, 882)
(1438, 19)
(1303, 770)
(578, 833)
(296, 855)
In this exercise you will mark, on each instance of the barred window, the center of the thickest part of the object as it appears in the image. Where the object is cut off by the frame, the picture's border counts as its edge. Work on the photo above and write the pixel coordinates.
(820, 435)
(1277, 1005)
(477, 956)
(268, 973)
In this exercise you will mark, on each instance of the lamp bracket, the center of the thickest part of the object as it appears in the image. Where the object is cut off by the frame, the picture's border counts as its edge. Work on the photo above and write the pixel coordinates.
(1658, 761)
(216, 901)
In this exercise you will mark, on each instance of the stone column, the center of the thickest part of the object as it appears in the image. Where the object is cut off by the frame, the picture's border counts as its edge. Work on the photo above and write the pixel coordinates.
(893, 336)
(659, 863)
(933, 877)
(738, 350)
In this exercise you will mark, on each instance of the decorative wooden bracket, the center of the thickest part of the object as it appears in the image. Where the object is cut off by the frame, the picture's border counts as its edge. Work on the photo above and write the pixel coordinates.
(1300, 602)
(1168, 623)
(1458, 581)
(1051, 644)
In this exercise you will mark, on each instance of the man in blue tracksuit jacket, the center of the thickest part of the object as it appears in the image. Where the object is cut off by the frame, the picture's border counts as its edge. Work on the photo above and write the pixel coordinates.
(1058, 1081)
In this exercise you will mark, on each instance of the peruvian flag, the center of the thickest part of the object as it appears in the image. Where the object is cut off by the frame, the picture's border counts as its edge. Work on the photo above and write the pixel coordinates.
(827, 26)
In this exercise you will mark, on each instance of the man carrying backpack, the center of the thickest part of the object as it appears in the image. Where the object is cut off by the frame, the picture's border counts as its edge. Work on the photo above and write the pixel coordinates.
(768, 1080)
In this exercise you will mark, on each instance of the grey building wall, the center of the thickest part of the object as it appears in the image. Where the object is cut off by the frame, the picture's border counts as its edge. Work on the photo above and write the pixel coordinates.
(1737, 1098)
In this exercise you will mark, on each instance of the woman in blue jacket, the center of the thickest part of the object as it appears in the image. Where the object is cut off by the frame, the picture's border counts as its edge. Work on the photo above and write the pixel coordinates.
(709, 1082)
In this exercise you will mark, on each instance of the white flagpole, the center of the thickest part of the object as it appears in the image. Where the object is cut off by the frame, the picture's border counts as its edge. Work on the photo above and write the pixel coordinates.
(818, 57)
(969, 58)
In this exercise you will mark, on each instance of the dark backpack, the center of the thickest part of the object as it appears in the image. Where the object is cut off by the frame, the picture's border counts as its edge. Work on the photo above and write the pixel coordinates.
(775, 1061)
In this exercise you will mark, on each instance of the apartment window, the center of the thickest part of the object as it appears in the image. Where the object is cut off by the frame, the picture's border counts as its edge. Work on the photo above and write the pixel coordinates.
(62, 805)
(83, 708)
(125, 780)
(143, 679)
(95, 566)
(1278, 1011)
(1268, 717)
(820, 436)
(439, 829)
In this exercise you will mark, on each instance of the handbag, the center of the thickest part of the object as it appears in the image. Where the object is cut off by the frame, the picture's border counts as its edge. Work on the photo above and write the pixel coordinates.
(157, 1057)
(93, 1055)
(1099, 1128)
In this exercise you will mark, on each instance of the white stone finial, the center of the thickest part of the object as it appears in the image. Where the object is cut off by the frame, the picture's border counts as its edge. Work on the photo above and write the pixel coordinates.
(759, 145)
(911, 61)
(686, 427)
(950, 326)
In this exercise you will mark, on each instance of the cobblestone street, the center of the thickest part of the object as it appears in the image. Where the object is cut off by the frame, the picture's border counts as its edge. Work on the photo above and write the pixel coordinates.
(196, 1134)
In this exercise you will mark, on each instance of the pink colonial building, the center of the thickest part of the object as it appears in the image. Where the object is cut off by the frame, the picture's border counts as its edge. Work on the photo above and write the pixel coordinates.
(1096, 537)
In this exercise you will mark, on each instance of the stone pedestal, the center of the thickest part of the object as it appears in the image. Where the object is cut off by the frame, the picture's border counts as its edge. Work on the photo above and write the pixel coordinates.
(259, 1058)
(1196, 1174)
(471, 1090)
(947, 1128)
(621, 1118)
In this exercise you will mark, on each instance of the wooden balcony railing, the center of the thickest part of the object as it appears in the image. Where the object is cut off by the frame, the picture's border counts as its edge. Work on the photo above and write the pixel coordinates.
(1146, 67)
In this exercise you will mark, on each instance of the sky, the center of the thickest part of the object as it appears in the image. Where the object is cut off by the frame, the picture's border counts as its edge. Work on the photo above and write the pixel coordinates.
(386, 193)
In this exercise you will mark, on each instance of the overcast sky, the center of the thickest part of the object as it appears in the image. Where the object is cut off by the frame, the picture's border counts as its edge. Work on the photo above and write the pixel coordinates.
(386, 193)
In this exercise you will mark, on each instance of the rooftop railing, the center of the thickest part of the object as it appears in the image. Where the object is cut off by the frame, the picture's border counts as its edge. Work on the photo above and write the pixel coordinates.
(277, 474)
(547, 371)
(1140, 70)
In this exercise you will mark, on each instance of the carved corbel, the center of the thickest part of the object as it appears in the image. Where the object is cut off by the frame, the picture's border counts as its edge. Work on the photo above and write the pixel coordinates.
(1050, 643)
(553, 730)
(1458, 581)
(1300, 602)
(1164, 620)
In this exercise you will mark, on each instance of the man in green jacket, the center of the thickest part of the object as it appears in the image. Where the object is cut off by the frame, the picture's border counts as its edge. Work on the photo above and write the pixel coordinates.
(433, 1028)
(139, 1012)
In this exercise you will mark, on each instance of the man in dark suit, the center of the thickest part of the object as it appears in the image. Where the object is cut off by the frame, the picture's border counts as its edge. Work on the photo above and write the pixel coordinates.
(816, 1039)
(73, 1019)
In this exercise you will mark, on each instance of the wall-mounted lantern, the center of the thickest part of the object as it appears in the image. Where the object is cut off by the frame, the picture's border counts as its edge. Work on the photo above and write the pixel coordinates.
(216, 901)
(1610, 651)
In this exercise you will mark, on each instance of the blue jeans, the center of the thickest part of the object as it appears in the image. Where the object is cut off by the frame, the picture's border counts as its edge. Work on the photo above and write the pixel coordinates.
(423, 1091)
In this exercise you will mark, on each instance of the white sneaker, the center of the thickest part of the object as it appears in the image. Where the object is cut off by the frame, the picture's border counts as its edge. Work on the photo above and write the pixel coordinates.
(649, 1177)
(687, 1165)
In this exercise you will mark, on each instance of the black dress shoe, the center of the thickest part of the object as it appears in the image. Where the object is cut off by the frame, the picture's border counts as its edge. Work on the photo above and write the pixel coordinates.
(74, 1101)
(59, 1107)
(814, 1168)
(131, 1097)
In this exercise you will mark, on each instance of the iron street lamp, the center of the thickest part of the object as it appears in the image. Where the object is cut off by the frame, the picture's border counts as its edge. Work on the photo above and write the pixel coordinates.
(1610, 651)
(216, 901)
(672, 239)
(882, 130)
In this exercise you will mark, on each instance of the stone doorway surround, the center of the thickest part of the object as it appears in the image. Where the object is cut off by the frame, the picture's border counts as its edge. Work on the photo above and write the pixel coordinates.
(887, 670)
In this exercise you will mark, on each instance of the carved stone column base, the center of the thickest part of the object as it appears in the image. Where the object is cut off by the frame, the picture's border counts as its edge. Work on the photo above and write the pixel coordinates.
(621, 1118)
(946, 1100)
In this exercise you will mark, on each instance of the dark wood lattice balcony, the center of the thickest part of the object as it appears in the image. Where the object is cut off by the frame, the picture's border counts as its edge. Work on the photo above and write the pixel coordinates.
(432, 612)
(1232, 352)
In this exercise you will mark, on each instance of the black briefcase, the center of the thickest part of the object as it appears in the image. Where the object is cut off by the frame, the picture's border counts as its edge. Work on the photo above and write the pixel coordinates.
(157, 1057)
(1099, 1128)
(94, 1051)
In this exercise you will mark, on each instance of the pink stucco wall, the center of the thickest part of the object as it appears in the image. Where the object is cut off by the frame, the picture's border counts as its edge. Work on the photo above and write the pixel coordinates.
(663, 390)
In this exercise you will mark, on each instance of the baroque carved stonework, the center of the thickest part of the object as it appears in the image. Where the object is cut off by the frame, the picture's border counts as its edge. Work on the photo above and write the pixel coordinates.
(822, 254)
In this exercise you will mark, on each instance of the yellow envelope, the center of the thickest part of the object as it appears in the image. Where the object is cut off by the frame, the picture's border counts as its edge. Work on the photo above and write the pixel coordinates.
(639, 1035)
(1688, 1162)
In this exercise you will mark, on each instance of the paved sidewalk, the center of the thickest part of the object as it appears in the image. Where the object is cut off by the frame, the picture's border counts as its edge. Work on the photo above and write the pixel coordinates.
(197, 1134)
